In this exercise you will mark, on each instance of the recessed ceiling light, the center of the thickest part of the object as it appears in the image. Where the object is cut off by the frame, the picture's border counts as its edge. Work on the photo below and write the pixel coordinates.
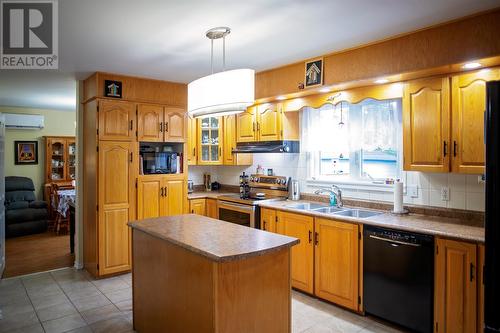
(280, 98)
(324, 90)
(381, 81)
(471, 65)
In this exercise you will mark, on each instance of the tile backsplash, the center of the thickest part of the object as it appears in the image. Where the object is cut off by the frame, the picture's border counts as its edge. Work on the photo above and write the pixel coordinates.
(465, 191)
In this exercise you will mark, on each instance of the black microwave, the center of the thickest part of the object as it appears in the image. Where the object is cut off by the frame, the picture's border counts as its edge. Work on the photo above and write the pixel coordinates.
(159, 162)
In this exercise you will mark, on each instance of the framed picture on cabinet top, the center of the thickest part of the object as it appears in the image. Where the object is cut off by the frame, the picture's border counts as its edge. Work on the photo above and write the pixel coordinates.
(112, 89)
(313, 73)
(26, 152)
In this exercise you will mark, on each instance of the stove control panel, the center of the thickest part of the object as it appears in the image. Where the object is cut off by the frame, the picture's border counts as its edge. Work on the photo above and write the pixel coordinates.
(268, 181)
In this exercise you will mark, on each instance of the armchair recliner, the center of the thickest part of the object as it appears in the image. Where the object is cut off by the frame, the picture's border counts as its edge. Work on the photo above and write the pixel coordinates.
(24, 215)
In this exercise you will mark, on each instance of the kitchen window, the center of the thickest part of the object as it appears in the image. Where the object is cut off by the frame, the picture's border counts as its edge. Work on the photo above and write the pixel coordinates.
(354, 142)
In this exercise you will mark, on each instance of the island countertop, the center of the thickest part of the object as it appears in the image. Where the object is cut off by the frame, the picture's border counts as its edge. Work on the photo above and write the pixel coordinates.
(215, 239)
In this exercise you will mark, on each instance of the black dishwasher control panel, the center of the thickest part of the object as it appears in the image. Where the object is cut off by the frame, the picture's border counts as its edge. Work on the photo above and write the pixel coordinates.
(396, 235)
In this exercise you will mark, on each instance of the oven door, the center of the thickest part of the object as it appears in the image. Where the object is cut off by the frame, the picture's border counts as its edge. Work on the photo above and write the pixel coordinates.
(237, 213)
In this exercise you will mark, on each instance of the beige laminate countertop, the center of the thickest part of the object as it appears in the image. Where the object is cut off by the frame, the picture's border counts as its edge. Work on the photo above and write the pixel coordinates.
(432, 225)
(217, 240)
(207, 194)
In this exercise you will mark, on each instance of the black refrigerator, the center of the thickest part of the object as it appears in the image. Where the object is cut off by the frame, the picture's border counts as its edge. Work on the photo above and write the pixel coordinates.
(492, 215)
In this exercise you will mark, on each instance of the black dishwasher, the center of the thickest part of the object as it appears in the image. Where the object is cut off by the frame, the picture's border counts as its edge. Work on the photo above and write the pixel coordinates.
(398, 277)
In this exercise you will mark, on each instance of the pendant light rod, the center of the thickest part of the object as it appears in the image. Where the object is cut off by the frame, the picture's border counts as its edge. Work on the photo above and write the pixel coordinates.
(217, 33)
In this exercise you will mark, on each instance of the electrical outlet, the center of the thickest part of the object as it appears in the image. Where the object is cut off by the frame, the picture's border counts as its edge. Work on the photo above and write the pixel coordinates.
(481, 179)
(412, 191)
(445, 193)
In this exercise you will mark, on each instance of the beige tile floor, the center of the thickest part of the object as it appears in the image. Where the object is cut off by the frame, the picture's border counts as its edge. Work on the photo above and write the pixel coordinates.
(68, 300)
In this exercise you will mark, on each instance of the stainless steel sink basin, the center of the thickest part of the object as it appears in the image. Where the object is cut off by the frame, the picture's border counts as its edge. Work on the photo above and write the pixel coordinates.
(329, 210)
(359, 213)
(306, 206)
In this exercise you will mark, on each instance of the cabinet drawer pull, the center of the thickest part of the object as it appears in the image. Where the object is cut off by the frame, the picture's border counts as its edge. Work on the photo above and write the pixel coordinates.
(454, 148)
(161, 127)
(445, 144)
(310, 236)
(316, 238)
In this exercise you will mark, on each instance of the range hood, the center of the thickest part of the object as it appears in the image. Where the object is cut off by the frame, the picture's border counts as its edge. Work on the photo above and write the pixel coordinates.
(281, 146)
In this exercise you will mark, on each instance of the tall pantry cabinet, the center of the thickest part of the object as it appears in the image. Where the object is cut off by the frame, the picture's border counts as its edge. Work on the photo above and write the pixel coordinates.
(112, 131)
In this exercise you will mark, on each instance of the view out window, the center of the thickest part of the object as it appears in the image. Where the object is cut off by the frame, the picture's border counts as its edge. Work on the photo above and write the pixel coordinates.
(354, 141)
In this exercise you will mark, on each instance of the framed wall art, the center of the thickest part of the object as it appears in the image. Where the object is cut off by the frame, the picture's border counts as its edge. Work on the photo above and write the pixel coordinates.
(26, 152)
(313, 73)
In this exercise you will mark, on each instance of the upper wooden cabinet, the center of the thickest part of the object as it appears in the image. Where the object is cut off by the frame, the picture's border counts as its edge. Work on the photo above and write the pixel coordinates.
(160, 124)
(267, 122)
(336, 264)
(174, 124)
(229, 134)
(468, 106)
(150, 123)
(301, 227)
(116, 205)
(192, 131)
(455, 287)
(210, 141)
(246, 125)
(160, 196)
(117, 121)
(426, 122)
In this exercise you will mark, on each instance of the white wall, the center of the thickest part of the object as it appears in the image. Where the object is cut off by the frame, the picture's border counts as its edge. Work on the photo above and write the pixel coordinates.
(465, 190)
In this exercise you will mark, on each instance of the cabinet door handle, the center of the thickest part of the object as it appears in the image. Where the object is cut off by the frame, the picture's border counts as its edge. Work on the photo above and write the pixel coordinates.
(194, 151)
(161, 127)
(131, 125)
(472, 269)
(220, 152)
(316, 238)
(454, 148)
(258, 126)
(192, 211)
(166, 192)
(445, 144)
(310, 236)
(161, 191)
(264, 225)
(253, 125)
(166, 126)
(131, 157)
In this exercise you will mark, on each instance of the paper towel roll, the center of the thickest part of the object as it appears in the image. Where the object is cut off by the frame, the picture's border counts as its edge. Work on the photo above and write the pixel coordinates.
(398, 197)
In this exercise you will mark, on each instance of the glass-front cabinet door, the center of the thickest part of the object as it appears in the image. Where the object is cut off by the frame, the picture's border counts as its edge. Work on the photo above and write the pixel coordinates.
(71, 160)
(210, 140)
(57, 159)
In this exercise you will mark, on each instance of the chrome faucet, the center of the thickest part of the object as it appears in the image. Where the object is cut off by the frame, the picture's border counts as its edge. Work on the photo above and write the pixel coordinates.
(335, 190)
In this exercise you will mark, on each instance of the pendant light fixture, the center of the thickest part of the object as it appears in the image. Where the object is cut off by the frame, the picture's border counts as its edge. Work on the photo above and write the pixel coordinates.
(223, 93)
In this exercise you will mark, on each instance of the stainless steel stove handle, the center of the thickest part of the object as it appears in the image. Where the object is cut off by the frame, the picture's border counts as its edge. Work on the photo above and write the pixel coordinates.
(236, 207)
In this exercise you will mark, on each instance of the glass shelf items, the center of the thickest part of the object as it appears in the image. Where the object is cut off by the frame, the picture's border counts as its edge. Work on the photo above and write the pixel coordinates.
(210, 140)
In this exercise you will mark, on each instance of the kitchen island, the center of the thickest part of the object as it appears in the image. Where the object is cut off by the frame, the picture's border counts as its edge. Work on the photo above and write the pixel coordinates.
(196, 274)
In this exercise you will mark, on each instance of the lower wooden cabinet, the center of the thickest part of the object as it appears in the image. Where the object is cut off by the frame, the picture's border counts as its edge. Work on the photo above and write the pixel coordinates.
(301, 227)
(480, 289)
(268, 219)
(197, 206)
(336, 266)
(212, 208)
(160, 195)
(455, 288)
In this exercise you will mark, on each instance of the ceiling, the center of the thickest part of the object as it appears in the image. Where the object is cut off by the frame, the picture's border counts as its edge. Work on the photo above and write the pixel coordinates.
(165, 39)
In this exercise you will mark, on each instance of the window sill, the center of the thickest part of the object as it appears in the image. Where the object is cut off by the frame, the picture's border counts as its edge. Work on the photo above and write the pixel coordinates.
(372, 186)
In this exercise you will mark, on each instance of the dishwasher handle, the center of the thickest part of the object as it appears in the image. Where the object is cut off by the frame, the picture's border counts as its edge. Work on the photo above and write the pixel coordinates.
(393, 242)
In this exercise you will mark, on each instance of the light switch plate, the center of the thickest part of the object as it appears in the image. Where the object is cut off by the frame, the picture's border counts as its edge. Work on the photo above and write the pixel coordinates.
(445, 193)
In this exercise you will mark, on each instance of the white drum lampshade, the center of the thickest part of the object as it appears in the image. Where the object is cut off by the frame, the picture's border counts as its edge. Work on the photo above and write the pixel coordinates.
(222, 93)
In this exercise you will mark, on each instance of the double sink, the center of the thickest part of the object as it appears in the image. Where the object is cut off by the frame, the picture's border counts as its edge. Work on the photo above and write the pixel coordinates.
(337, 211)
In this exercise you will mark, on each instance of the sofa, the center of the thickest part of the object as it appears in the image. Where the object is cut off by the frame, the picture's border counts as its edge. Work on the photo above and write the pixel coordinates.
(24, 215)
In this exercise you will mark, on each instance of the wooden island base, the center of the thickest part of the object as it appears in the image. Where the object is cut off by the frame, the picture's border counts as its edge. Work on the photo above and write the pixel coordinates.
(178, 290)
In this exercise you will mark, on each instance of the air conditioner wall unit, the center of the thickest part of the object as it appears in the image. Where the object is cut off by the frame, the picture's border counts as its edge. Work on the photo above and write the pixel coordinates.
(24, 121)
